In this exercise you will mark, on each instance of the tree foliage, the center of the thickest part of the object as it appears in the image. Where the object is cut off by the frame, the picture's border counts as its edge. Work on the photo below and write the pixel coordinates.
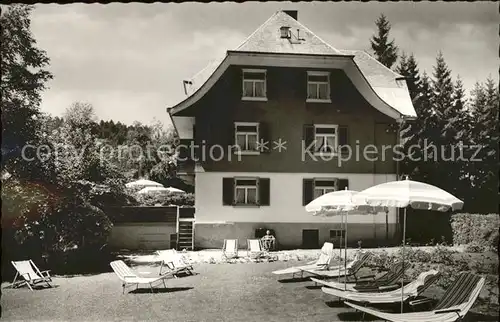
(24, 76)
(385, 51)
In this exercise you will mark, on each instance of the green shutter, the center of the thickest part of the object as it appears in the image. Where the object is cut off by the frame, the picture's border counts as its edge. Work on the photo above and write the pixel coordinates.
(264, 191)
(307, 191)
(265, 136)
(344, 139)
(227, 191)
(343, 184)
(308, 135)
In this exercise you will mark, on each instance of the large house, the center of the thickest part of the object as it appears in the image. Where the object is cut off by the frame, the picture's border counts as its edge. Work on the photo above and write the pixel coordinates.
(273, 124)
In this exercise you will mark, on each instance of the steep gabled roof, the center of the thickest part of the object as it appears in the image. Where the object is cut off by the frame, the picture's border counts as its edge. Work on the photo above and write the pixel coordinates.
(376, 73)
(267, 38)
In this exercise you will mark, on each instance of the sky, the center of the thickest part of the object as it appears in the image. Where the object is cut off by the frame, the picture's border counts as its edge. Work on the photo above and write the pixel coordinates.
(129, 60)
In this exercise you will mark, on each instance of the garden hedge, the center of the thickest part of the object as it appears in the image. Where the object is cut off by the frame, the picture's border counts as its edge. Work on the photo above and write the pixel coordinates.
(478, 231)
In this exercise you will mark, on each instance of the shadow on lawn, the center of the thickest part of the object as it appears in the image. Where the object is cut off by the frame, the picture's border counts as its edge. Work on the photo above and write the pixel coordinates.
(479, 317)
(294, 280)
(355, 316)
(160, 290)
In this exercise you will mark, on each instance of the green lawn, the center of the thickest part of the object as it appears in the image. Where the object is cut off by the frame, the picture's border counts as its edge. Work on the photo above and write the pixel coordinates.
(221, 292)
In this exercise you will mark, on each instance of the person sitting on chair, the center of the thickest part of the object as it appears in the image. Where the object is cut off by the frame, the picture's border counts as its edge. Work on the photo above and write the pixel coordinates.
(268, 241)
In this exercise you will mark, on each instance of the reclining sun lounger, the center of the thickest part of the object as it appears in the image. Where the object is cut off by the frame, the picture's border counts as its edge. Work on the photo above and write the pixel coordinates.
(338, 271)
(321, 263)
(453, 306)
(255, 250)
(390, 280)
(30, 274)
(230, 249)
(128, 277)
(410, 291)
(174, 262)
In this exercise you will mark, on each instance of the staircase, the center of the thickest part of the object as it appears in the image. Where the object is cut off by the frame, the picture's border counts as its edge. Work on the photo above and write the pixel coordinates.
(185, 234)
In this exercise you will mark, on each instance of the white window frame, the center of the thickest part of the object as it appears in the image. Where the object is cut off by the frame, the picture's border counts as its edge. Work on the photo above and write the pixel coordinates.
(318, 100)
(236, 132)
(247, 187)
(253, 98)
(324, 136)
(325, 189)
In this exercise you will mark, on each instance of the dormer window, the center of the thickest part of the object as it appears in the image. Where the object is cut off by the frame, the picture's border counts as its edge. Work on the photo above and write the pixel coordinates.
(285, 32)
(254, 85)
(318, 87)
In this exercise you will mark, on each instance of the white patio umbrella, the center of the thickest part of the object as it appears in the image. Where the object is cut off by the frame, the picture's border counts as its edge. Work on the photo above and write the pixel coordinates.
(143, 183)
(404, 193)
(152, 190)
(334, 204)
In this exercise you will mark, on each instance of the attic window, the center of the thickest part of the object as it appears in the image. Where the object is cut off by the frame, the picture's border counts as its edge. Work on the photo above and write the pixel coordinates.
(285, 32)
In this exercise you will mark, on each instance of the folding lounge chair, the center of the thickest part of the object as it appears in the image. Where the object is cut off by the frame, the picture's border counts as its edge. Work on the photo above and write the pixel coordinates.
(230, 249)
(453, 306)
(410, 291)
(30, 273)
(339, 271)
(322, 263)
(129, 277)
(255, 250)
(390, 280)
(174, 262)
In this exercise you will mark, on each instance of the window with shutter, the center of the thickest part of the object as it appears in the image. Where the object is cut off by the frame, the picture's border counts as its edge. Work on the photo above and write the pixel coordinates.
(324, 186)
(246, 191)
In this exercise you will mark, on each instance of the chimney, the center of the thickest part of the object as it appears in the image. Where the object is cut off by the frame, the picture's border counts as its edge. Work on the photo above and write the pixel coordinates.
(292, 13)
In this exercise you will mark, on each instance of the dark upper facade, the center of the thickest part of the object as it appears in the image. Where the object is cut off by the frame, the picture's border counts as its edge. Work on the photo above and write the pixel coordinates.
(284, 84)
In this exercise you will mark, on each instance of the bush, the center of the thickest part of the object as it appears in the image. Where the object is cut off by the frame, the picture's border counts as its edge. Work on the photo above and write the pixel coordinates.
(184, 199)
(479, 232)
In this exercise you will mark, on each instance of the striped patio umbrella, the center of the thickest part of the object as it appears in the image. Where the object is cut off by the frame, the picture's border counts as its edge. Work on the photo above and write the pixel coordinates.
(339, 203)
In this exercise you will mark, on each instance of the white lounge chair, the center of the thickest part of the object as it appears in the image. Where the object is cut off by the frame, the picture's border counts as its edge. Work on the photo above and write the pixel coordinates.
(230, 249)
(129, 277)
(255, 250)
(322, 263)
(174, 262)
(369, 283)
(30, 273)
(410, 291)
(350, 270)
(453, 306)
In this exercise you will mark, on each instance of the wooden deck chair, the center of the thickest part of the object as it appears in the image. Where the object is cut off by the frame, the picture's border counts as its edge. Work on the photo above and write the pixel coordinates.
(410, 291)
(230, 249)
(453, 305)
(174, 263)
(255, 250)
(338, 271)
(30, 274)
(129, 277)
(322, 263)
(369, 283)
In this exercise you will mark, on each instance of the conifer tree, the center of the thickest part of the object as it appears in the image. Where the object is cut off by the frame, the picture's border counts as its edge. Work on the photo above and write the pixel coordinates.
(448, 127)
(385, 51)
